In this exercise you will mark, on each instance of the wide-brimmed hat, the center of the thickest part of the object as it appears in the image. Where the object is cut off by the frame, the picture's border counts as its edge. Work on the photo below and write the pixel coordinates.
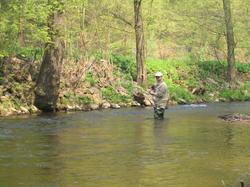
(158, 74)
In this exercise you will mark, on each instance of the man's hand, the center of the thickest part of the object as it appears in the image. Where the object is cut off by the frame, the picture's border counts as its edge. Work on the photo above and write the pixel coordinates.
(152, 87)
(152, 92)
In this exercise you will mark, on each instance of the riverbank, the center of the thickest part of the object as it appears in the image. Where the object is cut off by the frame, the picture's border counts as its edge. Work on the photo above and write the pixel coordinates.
(98, 84)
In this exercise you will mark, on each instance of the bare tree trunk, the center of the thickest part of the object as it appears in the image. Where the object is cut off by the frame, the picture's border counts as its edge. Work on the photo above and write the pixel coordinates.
(140, 51)
(21, 33)
(48, 83)
(82, 28)
(230, 41)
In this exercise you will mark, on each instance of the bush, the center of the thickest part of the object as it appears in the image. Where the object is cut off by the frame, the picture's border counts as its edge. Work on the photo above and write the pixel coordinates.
(111, 95)
(85, 100)
(74, 99)
(212, 67)
(90, 78)
(126, 64)
(1, 80)
(234, 95)
(243, 68)
(177, 93)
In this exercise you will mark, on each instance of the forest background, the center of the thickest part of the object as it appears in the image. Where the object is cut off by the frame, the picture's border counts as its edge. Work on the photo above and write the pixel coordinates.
(186, 40)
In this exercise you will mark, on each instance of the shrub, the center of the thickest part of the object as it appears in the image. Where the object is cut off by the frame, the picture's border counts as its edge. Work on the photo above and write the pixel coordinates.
(111, 95)
(234, 95)
(1, 80)
(178, 93)
(212, 68)
(74, 99)
(90, 78)
(126, 64)
(85, 100)
(243, 68)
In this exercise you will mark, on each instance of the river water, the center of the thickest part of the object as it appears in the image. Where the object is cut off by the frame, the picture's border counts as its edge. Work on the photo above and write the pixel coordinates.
(127, 148)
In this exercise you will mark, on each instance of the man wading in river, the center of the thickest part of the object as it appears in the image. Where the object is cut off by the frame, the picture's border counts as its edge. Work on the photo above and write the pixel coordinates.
(160, 96)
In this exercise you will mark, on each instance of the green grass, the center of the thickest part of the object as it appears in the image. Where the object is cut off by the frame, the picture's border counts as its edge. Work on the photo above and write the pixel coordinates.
(111, 95)
(74, 99)
(91, 79)
(234, 95)
(182, 76)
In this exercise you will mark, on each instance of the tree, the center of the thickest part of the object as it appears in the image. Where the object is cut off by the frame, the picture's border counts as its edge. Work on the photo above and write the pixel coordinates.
(140, 51)
(23, 26)
(48, 82)
(230, 41)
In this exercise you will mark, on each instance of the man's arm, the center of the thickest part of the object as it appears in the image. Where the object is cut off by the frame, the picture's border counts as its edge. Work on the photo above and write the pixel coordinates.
(161, 92)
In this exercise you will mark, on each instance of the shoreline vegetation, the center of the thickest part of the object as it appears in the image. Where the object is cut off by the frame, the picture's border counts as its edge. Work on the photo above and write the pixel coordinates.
(84, 55)
(100, 84)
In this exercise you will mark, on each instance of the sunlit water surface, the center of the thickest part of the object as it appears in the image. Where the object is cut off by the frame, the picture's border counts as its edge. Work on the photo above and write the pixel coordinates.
(127, 148)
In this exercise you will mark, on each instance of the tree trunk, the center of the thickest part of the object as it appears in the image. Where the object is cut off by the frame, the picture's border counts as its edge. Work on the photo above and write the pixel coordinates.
(48, 82)
(140, 51)
(230, 41)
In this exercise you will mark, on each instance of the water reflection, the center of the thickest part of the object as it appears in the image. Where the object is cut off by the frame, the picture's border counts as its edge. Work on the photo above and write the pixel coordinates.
(121, 148)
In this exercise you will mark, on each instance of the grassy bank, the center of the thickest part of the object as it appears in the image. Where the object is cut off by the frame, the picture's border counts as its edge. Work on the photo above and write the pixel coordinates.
(106, 84)
(192, 82)
(201, 81)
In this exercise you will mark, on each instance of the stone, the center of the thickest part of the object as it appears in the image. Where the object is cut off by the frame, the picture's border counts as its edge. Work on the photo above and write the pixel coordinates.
(24, 110)
(77, 107)
(198, 91)
(106, 105)
(123, 104)
(222, 99)
(13, 110)
(33, 109)
(115, 106)
(134, 103)
(94, 106)
(147, 102)
(143, 98)
(235, 117)
(4, 98)
(211, 95)
(182, 101)
(69, 107)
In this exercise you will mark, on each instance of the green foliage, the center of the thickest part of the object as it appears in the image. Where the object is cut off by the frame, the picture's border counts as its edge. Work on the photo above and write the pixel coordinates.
(106, 27)
(219, 67)
(17, 102)
(174, 71)
(1, 80)
(126, 64)
(85, 100)
(128, 85)
(243, 67)
(23, 27)
(111, 95)
(178, 93)
(6, 104)
(208, 68)
(234, 95)
(74, 99)
(104, 30)
(183, 76)
(178, 76)
(246, 86)
(90, 78)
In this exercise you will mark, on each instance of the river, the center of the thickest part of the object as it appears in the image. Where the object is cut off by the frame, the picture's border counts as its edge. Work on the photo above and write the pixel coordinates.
(126, 148)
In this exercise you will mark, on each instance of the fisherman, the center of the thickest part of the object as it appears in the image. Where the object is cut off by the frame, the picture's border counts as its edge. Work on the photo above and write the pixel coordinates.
(160, 96)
